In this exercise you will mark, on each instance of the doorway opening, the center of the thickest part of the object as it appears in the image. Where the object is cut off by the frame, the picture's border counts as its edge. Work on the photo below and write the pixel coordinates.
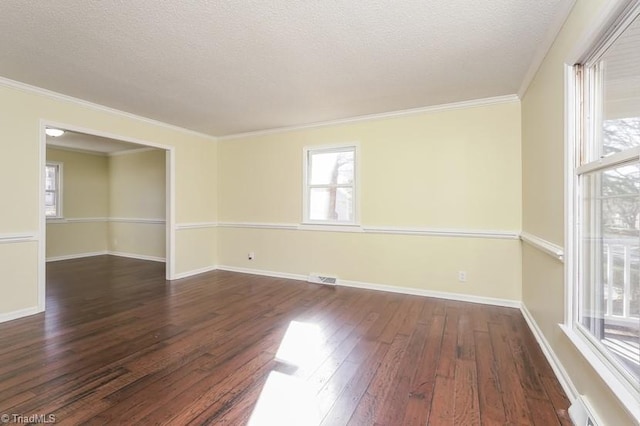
(103, 193)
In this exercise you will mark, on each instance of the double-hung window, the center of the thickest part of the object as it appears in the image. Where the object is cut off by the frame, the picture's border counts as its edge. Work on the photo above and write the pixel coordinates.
(605, 218)
(330, 185)
(53, 190)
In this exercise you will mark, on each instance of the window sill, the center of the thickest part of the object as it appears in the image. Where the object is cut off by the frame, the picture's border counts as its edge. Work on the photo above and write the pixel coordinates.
(628, 397)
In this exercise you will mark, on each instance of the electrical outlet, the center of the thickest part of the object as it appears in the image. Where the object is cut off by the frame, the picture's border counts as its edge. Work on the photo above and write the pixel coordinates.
(462, 276)
(251, 255)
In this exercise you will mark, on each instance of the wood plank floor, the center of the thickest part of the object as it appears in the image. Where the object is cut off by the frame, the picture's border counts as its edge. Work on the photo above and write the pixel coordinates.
(120, 345)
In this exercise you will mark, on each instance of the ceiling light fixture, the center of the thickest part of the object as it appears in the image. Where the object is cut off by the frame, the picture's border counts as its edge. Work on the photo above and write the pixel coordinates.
(53, 132)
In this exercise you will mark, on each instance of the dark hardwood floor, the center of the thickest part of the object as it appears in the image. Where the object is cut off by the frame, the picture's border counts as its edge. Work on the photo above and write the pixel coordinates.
(120, 345)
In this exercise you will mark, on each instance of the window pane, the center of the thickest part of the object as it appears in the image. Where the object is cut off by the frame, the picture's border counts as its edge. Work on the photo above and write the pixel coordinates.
(331, 168)
(50, 178)
(610, 285)
(621, 68)
(50, 207)
(50, 199)
(331, 204)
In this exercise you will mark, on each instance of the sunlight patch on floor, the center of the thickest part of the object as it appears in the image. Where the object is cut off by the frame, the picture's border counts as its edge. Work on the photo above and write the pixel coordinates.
(286, 399)
(301, 345)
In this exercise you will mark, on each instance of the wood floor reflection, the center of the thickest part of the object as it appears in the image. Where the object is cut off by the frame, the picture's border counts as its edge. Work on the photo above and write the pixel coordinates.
(119, 344)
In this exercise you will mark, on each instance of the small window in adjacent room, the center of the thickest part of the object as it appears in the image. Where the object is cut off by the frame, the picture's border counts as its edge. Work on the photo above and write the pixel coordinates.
(53, 190)
(605, 218)
(330, 185)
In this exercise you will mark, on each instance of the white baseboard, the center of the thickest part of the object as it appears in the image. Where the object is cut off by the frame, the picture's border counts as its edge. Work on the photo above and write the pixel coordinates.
(356, 284)
(263, 273)
(382, 287)
(76, 256)
(136, 256)
(562, 375)
(9, 316)
(193, 272)
(460, 297)
(101, 253)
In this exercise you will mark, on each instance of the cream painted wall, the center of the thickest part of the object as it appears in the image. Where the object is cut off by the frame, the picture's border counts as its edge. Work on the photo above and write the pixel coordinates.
(71, 238)
(85, 195)
(201, 252)
(137, 185)
(129, 187)
(543, 209)
(456, 169)
(86, 183)
(20, 115)
(137, 191)
(144, 240)
(453, 169)
(18, 269)
(409, 261)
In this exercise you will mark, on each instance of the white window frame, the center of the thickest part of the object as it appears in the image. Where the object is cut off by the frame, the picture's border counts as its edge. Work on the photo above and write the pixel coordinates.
(306, 187)
(612, 23)
(58, 191)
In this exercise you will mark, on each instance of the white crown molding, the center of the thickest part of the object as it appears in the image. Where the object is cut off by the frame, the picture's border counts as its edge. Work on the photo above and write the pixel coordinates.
(545, 45)
(391, 114)
(369, 117)
(557, 367)
(196, 225)
(9, 316)
(13, 84)
(382, 287)
(543, 245)
(18, 238)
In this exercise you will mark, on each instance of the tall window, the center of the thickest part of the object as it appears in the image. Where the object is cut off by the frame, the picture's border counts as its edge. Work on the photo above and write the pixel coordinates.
(607, 203)
(330, 185)
(53, 190)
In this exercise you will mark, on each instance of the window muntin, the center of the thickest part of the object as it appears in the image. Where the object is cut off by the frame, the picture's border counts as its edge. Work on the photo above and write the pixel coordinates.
(330, 185)
(607, 177)
(53, 190)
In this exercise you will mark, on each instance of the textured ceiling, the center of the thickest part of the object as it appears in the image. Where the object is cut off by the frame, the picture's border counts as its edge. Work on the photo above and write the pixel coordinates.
(224, 67)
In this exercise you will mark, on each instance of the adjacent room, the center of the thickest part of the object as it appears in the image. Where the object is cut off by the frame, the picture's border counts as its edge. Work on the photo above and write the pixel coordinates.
(103, 196)
(312, 213)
